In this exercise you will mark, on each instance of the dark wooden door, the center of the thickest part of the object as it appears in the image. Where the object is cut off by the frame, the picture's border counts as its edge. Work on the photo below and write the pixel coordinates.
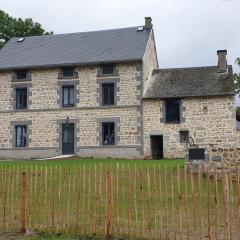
(68, 138)
(157, 147)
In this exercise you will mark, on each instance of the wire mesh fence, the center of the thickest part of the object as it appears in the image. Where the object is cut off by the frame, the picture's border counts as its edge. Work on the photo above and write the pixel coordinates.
(135, 202)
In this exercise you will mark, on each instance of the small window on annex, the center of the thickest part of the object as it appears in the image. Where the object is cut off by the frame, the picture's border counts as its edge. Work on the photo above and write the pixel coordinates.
(184, 136)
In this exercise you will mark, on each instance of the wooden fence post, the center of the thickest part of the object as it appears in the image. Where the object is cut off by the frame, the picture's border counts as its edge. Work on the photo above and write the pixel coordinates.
(24, 190)
(109, 201)
(227, 206)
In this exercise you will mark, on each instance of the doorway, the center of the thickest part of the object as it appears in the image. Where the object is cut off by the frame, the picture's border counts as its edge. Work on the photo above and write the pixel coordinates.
(68, 138)
(157, 147)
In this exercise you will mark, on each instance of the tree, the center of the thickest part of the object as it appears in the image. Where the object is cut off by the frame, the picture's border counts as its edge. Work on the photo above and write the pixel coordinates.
(18, 27)
(237, 77)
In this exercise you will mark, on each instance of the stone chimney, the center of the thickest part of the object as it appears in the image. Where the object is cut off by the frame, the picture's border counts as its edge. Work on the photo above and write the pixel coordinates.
(148, 23)
(222, 60)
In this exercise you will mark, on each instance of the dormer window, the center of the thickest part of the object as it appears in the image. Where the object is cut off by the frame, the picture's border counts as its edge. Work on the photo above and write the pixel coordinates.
(21, 74)
(108, 69)
(68, 72)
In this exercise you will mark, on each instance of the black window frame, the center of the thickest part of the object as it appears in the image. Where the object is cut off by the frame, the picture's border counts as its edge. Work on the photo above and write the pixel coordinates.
(108, 128)
(108, 69)
(171, 115)
(21, 74)
(68, 87)
(108, 100)
(23, 139)
(184, 136)
(20, 93)
(67, 70)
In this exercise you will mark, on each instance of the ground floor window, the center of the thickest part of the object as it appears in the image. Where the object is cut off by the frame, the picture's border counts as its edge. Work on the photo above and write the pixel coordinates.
(108, 130)
(21, 136)
(184, 136)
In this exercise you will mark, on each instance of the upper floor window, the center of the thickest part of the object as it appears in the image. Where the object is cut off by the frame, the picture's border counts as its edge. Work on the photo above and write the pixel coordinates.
(172, 110)
(68, 96)
(21, 74)
(68, 72)
(107, 94)
(108, 69)
(21, 136)
(108, 133)
(21, 98)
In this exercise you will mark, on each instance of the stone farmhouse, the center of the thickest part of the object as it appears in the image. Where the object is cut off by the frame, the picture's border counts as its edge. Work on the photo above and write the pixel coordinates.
(102, 94)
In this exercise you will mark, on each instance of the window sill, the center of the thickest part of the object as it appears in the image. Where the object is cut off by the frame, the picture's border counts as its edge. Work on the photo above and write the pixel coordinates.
(21, 109)
(109, 146)
(108, 105)
(21, 80)
(70, 106)
(172, 122)
(64, 78)
(20, 148)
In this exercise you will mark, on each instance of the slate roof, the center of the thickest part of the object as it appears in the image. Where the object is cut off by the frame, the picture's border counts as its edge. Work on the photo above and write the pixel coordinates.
(116, 45)
(189, 82)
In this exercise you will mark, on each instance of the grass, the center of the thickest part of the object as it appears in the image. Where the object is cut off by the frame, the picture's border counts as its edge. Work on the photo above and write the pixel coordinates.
(87, 177)
(169, 163)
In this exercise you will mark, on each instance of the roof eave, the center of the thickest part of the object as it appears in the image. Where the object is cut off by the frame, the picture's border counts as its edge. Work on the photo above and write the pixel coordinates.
(192, 96)
(69, 64)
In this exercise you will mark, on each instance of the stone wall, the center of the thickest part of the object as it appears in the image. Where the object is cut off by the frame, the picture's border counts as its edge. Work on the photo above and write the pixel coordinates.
(227, 156)
(150, 61)
(45, 113)
(208, 120)
(45, 87)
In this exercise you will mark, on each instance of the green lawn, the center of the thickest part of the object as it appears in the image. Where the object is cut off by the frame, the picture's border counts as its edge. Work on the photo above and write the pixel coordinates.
(169, 163)
(72, 196)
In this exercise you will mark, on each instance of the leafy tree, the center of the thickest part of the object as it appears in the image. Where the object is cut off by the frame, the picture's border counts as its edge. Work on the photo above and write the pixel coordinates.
(18, 27)
(237, 77)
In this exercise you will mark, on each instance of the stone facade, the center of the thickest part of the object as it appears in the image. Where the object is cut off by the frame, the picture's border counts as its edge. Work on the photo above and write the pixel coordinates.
(150, 60)
(45, 112)
(210, 122)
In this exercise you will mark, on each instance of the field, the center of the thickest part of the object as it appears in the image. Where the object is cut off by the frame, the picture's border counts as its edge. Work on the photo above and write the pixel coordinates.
(134, 199)
(74, 161)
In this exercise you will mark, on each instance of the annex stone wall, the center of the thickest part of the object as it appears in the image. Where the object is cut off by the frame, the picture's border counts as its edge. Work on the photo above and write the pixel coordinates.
(208, 120)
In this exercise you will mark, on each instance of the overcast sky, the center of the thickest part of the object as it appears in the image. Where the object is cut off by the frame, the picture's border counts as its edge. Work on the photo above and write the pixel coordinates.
(188, 32)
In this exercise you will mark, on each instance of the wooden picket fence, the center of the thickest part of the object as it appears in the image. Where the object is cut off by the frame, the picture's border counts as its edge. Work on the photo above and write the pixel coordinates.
(122, 200)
